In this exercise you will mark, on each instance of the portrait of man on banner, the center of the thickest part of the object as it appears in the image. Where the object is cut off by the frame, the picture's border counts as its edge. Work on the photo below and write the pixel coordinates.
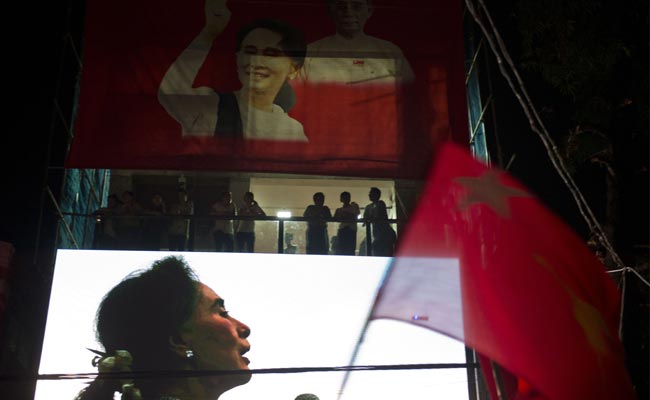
(351, 56)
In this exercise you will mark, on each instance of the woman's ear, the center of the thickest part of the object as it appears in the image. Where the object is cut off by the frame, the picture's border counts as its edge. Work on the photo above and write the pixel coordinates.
(178, 344)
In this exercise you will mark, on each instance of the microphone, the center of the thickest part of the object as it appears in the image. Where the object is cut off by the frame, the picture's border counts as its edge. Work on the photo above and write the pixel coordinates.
(307, 396)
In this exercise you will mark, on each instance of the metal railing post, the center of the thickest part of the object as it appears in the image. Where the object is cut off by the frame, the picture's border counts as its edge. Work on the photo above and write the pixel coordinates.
(280, 236)
(368, 239)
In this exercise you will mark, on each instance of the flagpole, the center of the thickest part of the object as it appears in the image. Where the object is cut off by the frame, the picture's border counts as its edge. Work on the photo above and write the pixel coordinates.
(355, 352)
(498, 380)
(354, 357)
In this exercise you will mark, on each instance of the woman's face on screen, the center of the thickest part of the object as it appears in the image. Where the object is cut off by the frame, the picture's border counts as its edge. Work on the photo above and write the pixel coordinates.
(217, 340)
(262, 64)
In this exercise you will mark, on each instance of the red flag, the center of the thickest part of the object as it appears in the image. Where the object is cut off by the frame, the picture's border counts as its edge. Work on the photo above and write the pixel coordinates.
(533, 297)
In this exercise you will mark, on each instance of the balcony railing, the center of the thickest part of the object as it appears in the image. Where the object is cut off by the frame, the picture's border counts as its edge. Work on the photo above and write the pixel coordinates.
(130, 231)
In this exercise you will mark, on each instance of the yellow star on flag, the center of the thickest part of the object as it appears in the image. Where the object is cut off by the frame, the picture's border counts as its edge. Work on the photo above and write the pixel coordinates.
(487, 189)
(588, 317)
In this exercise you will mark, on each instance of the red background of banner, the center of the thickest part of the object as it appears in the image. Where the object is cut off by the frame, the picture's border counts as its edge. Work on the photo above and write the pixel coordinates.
(371, 132)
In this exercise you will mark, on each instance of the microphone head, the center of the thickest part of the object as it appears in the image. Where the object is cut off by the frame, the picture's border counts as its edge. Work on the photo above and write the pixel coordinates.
(307, 396)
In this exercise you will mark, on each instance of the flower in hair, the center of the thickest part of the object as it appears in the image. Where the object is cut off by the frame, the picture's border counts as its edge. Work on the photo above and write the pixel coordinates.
(119, 361)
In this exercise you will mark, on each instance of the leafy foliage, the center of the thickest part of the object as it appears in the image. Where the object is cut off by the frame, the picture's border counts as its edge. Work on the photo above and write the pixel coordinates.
(589, 50)
(593, 55)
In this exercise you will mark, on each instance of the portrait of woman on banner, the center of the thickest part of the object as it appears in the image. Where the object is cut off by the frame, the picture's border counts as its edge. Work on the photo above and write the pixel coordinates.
(270, 53)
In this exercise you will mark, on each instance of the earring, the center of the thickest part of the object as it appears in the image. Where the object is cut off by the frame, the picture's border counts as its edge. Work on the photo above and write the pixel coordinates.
(189, 354)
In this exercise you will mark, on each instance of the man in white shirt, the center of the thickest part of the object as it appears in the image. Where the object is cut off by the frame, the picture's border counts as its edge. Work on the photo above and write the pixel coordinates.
(178, 231)
(351, 56)
(223, 230)
(245, 236)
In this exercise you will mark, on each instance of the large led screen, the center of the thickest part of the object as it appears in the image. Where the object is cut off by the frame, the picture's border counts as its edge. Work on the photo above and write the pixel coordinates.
(304, 311)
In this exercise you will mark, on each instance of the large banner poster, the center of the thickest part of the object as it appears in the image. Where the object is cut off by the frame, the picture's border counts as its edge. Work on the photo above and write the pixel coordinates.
(340, 87)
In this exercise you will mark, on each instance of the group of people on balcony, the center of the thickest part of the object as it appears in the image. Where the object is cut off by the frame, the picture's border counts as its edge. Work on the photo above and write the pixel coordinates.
(345, 241)
(240, 235)
(125, 224)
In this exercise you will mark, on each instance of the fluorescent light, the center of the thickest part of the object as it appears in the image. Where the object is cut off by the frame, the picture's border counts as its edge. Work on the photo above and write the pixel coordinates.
(284, 214)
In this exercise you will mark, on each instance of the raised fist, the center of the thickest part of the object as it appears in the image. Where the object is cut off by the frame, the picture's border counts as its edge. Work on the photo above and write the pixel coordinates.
(217, 16)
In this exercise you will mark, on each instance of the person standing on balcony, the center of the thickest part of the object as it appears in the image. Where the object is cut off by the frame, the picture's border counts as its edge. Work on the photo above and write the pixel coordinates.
(223, 228)
(317, 238)
(245, 236)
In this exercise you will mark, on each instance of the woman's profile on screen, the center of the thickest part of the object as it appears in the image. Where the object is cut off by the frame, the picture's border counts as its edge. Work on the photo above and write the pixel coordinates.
(173, 333)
